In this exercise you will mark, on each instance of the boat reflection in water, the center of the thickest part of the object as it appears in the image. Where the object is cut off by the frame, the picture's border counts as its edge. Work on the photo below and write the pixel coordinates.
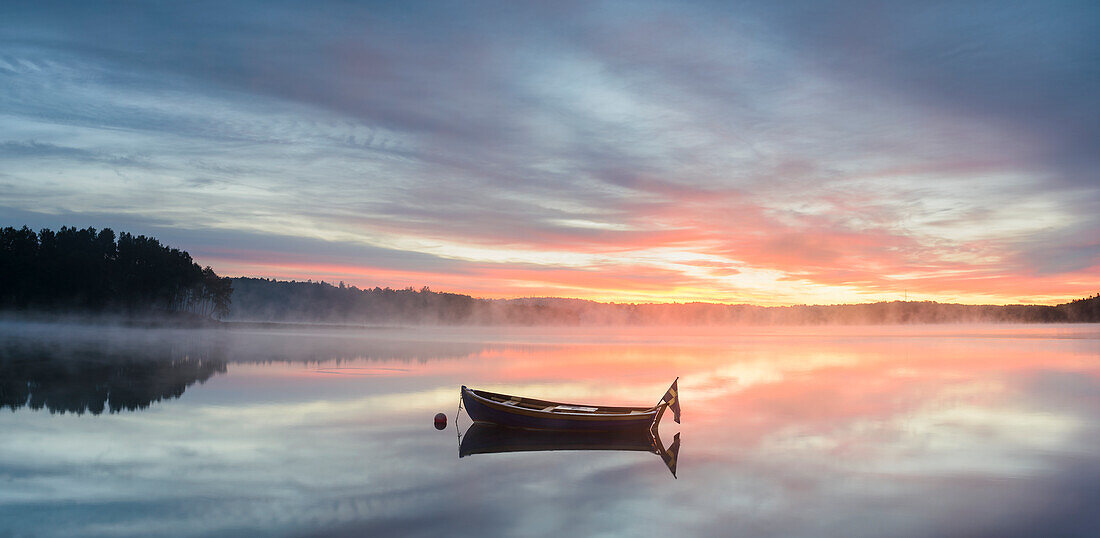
(484, 438)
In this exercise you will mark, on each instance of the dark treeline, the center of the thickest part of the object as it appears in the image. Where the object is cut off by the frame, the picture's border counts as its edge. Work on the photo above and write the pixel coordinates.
(85, 270)
(93, 271)
(260, 299)
(271, 300)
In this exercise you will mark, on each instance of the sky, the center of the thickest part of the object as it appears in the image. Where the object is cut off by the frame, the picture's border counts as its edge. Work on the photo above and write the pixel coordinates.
(739, 152)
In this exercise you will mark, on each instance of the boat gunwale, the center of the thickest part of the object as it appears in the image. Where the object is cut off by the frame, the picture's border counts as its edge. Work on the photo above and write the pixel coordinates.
(612, 413)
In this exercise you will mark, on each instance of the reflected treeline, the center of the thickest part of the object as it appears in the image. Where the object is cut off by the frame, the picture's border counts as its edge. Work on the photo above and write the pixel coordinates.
(68, 368)
(86, 379)
(277, 346)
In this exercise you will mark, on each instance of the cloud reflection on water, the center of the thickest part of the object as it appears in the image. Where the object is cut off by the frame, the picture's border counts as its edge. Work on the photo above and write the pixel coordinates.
(797, 432)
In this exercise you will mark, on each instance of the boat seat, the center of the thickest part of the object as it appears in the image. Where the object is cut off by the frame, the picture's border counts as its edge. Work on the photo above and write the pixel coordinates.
(511, 402)
(575, 409)
(549, 408)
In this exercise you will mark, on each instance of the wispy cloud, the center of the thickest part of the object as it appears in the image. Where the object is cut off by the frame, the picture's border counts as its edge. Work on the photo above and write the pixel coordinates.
(659, 151)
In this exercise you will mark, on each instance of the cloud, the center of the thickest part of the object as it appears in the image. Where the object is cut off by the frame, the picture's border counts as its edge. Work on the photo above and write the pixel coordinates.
(823, 153)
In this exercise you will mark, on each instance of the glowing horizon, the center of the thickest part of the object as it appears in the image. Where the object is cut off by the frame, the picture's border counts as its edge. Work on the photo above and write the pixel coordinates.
(664, 152)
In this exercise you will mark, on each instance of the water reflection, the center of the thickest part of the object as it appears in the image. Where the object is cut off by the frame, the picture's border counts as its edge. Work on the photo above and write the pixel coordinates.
(94, 382)
(483, 438)
(75, 368)
(82, 375)
(942, 431)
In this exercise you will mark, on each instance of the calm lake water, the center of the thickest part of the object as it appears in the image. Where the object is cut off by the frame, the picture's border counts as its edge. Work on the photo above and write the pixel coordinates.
(987, 430)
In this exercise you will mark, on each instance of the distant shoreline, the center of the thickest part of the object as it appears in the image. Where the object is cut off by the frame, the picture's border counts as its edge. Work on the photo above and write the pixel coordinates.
(89, 275)
(264, 300)
(170, 321)
(551, 312)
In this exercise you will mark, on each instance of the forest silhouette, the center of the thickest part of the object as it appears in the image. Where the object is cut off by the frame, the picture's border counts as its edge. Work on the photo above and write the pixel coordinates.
(85, 270)
(258, 299)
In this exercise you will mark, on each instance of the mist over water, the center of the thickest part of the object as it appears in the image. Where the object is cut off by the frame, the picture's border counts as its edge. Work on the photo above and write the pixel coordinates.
(948, 430)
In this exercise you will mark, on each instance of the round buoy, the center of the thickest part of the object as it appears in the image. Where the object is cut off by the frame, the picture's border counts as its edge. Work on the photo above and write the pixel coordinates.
(440, 421)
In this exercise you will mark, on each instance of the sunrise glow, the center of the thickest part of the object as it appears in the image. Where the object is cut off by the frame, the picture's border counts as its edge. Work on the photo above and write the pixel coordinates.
(669, 153)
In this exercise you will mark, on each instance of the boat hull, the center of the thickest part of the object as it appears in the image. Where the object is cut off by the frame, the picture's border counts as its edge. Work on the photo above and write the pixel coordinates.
(485, 409)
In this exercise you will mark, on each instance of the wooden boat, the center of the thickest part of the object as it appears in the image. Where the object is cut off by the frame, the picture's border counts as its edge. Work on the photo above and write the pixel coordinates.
(531, 413)
(485, 438)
